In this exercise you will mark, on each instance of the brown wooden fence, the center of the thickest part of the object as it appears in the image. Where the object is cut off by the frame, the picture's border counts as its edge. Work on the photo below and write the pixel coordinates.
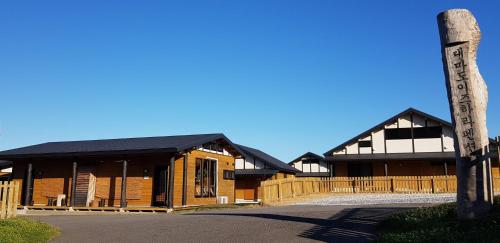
(9, 193)
(276, 190)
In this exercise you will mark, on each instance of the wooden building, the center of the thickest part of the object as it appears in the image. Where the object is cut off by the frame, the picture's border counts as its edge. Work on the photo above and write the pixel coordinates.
(312, 165)
(256, 166)
(411, 143)
(171, 171)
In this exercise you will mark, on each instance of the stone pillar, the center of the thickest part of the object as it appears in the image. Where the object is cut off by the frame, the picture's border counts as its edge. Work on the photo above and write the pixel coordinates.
(28, 185)
(468, 97)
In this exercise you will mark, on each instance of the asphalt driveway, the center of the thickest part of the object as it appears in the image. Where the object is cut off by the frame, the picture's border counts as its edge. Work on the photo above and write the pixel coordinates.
(300, 223)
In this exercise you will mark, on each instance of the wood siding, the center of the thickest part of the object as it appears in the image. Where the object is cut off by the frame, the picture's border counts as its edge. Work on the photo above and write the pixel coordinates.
(54, 177)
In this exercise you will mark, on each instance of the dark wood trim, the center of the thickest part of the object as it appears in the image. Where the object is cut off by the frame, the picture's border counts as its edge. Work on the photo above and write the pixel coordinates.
(445, 168)
(397, 122)
(371, 138)
(254, 163)
(171, 173)
(385, 143)
(184, 179)
(73, 183)
(442, 138)
(123, 198)
(412, 136)
(29, 181)
(386, 173)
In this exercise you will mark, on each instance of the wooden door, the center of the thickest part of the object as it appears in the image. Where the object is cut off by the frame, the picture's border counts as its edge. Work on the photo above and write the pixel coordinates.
(160, 186)
(82, 186)
(249, 194)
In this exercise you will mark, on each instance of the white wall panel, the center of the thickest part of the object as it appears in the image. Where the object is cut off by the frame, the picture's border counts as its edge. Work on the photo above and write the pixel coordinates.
(365, 150)
(314, 167)
(404, 122)
(298, 165)
(448, 140)
(399, 146)
(238, 163)
(428, 145)
(249, 163)
(352, 149)
(378, 142)
(306, 167)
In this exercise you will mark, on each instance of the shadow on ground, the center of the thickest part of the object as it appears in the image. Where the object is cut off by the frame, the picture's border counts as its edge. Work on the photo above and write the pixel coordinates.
(349, 225)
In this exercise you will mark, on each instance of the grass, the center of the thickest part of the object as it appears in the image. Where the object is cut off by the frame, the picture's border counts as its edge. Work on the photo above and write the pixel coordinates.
(440, 224)
(22, 229)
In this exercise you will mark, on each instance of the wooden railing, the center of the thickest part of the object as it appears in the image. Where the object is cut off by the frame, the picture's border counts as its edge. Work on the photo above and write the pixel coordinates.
(9, 194)
(277, 190)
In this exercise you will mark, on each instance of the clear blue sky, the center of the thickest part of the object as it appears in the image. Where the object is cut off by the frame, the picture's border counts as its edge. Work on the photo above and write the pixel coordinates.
(283, 76)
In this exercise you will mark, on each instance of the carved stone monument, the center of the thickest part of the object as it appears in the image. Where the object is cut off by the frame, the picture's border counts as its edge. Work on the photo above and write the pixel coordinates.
(468, 98)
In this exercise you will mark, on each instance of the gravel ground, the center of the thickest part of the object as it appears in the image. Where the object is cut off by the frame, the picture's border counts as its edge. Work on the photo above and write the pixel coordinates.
(373, 199)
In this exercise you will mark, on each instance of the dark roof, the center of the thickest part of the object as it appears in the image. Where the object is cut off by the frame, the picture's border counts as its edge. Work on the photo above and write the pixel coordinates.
(166, 144)
(259, 172)
(381, 125)
(5, 164)
(268, 159)
(393, 156)
(307, 155)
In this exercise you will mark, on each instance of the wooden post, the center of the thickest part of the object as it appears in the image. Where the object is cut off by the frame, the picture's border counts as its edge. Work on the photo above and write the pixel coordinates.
(123, 197)
(184, 179)
(393, 184)
(16, 198)
(280, 190)
(29, 181)
(10, 200)
(3, 195)
(171, 182)
(468, 98)
(432, 185)
(73, 183)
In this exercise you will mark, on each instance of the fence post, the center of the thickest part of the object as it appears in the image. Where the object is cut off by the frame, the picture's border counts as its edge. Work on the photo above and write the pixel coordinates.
(10, 200)
(3, 196)
(16, 200)
(393, 185)
(280, 192)
(432, 184)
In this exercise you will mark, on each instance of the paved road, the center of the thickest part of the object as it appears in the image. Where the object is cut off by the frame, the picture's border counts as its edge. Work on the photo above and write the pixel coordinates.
(300, 223)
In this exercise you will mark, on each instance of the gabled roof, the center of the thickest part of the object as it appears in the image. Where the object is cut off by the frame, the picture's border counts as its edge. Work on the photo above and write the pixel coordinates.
(308, 155)
(165, 144)
(390, 120)
(268, 159)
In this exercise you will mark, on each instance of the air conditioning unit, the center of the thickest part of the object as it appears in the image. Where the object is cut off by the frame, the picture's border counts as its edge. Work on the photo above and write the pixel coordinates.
(222, 200)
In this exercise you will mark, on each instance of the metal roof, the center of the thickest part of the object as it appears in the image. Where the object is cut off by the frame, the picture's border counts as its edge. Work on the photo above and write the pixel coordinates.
(308, 155)
(121, 146)
(268, 159)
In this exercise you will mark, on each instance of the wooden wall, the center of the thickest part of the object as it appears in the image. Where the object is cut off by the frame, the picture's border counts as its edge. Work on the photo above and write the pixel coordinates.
(407, 168)
(55, 178)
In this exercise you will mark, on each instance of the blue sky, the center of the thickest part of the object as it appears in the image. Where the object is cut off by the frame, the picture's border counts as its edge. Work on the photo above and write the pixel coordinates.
(283, 76)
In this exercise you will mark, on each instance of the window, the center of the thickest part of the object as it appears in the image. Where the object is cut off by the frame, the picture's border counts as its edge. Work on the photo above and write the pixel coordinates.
(205, 180)
(365, 144)
(359, 170)
(398, 133)
(427, 132)
(228, 175)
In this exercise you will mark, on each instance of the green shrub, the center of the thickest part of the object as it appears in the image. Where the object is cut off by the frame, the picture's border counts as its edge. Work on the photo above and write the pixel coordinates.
(440, 224)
